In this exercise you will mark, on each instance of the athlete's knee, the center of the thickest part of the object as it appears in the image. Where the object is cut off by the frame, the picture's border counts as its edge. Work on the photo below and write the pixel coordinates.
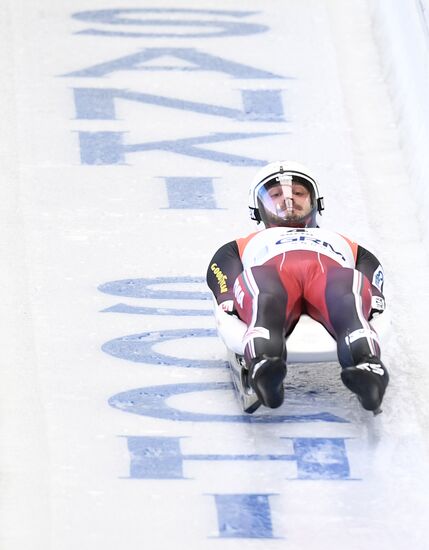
(260, 341)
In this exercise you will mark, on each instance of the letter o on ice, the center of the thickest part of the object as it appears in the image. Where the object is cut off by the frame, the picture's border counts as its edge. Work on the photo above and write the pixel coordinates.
(152, 401)
(139, 348)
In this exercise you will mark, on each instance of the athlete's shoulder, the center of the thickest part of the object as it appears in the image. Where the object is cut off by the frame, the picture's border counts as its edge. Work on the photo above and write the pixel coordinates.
(242, 242)
(354, 246)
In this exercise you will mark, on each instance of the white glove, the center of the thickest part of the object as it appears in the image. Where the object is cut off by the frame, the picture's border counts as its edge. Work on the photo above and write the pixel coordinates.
(227, 306)
(378, 305)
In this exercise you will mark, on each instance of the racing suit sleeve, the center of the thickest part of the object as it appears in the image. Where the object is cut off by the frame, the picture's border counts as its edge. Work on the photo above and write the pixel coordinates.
(223, 269)
(369, 265)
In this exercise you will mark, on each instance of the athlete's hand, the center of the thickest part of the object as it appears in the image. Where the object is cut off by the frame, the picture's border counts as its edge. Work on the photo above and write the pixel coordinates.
(378, 305)
(227, 307)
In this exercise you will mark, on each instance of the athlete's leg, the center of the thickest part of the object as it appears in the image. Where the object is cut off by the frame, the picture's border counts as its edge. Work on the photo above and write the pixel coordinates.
(344, 308)
(340, 299)
(262, 303)
(348, 299)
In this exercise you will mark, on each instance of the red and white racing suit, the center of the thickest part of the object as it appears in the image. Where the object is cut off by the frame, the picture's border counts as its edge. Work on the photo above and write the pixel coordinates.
(275, 275)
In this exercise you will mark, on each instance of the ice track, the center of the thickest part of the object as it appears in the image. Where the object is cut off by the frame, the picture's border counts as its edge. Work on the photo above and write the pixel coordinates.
(128, 135)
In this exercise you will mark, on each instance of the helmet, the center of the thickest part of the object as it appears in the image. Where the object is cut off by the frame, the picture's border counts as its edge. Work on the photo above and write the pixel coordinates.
(285, 194)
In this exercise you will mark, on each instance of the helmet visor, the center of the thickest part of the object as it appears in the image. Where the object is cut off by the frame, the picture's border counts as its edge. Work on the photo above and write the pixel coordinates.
(287, 201)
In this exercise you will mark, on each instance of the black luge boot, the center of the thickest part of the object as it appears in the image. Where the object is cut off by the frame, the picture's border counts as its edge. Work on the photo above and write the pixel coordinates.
(266, 377)
(368, 381)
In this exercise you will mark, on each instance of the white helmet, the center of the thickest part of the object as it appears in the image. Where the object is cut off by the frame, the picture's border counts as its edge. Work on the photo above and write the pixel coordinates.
(284, 193)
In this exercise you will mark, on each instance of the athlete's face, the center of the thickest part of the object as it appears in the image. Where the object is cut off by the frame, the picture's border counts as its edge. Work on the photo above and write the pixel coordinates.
(293, 201)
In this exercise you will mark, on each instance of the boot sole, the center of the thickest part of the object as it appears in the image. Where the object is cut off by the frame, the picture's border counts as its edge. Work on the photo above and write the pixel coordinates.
(363, 384)
(268, 385)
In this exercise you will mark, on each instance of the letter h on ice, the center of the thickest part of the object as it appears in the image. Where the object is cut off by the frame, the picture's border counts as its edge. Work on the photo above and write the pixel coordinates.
(316, 458)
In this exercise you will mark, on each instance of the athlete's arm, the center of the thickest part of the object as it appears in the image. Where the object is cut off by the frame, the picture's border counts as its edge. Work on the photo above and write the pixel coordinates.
(223, 269)
(369, 265)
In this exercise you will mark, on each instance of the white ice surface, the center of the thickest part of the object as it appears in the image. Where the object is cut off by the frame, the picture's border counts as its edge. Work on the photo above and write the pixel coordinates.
(66, 228)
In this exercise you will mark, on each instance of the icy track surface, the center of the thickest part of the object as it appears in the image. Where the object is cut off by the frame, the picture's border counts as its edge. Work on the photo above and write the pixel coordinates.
(128, 135)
